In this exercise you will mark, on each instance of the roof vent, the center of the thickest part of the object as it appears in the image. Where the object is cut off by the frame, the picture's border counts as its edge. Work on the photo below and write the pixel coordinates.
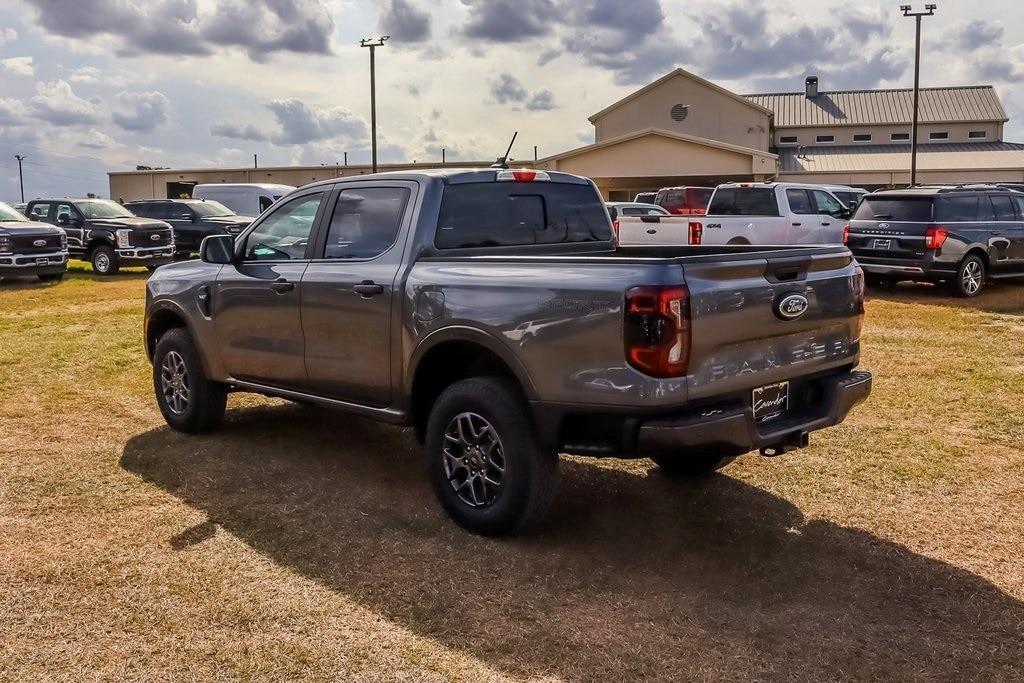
(811, 86)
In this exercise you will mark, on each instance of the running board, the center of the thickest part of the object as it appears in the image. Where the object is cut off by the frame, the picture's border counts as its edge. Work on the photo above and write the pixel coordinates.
(390, 415)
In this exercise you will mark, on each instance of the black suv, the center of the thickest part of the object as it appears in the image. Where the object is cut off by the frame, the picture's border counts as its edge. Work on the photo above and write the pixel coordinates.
(192, 219)
(106, 234)
(962, 235)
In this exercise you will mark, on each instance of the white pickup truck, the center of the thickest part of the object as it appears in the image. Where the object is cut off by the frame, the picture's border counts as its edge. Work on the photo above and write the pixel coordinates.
(747, 213)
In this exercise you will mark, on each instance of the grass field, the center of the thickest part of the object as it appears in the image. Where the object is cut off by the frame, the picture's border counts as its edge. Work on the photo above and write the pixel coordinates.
(301, 544)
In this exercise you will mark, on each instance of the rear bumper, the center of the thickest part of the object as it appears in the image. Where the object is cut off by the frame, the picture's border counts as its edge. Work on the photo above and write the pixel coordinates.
(735, 429)
(910, 268)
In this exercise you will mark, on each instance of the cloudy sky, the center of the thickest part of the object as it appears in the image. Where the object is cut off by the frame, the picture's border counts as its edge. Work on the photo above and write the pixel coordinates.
(88, 86)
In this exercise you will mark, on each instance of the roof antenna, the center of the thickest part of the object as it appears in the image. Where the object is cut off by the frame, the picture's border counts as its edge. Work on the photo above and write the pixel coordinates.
(502, 162)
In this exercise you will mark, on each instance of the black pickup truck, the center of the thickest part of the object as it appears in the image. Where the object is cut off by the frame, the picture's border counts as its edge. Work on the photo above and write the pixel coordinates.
(106, 234)
(191, 219)
(490, 310)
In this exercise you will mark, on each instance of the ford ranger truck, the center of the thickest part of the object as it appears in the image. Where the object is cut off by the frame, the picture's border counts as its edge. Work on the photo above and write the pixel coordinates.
(749, 213)
(489, 310)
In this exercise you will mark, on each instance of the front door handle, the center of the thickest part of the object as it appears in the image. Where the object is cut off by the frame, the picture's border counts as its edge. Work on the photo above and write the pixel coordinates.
(281, 286)
(824, 224)
(368, 288)
(797, 225)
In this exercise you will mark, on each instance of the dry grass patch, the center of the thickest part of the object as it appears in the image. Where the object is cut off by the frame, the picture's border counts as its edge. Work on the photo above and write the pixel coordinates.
(301, 544)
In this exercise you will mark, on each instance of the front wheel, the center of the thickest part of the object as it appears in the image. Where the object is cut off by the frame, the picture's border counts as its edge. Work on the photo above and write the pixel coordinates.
(104, 261)
(970, 277)
(188, 401)
(488, 469)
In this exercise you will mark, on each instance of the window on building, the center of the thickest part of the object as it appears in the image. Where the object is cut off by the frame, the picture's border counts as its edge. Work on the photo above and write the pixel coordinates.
(862, 137)
(977, 135)
(895, 137)
(787, 140)
(825, 138)
(942, 135)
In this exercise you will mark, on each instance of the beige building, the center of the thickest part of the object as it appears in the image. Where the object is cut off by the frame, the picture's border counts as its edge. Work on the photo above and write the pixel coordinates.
(684, 130)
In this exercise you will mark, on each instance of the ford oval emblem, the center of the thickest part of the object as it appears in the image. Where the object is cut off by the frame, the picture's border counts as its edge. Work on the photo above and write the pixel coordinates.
(883, 226)
(154, 237)
(791, 306)
(39, 243)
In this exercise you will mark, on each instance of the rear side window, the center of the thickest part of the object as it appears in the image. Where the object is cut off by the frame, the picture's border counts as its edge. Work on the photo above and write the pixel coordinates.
(39, 211)
(965, 209)
(365, 222)
(1003, 208)
(911, 209)
(744, 201)
(672, 199)
(798, 201)
(501, 214)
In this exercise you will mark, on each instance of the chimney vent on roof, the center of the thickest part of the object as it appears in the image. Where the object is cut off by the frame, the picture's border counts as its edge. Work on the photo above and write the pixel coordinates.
(811, 86)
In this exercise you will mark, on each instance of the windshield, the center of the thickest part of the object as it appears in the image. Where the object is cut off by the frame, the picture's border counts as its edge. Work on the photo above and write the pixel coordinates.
(103, 208)
(9, 214)
(211, 209)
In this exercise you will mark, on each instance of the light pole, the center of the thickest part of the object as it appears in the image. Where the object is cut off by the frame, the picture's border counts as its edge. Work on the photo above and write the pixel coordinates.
(21, 178)
(929, 10)
(373, 44)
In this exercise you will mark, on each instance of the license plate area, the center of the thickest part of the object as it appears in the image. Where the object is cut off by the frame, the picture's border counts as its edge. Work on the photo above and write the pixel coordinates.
(42, 261)
(883, 244)
(770, 402)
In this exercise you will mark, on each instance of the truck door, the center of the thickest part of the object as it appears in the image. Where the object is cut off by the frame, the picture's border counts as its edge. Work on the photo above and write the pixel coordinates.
(349, 300)
(830, 217)
(255, 303)
(804, 222)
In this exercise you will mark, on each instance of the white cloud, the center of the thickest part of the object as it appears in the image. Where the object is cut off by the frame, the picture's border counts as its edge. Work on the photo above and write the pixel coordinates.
(140, 111)
(18, 65)
(56, 103)
(7, 35)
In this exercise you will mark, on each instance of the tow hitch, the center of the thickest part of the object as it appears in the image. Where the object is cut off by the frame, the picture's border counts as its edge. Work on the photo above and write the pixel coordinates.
(790, 443)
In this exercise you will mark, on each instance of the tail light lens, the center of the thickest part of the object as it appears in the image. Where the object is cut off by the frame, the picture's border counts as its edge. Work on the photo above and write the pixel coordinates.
(657, 330)
(846, 235)
(858, 285)
(696, 232)
(615, 232)
(935, 236)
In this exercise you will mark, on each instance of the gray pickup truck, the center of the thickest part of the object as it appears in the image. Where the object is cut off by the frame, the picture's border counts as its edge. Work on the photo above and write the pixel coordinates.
(490, 310)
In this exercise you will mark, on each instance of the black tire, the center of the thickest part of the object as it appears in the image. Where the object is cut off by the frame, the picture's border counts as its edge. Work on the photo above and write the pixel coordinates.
(694, 464)
(529, 479)
(970, 277)
(206, 400)
(104, 261)
(51, 277)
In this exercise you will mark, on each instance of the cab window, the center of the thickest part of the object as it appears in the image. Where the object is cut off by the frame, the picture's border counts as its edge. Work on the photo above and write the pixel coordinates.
(799, 202)
(826, 203)
(39, 211)
(284, 234)
(365, 222)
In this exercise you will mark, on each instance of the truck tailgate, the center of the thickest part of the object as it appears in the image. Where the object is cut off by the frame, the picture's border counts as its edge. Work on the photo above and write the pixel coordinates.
(654, 230)
(748, 330)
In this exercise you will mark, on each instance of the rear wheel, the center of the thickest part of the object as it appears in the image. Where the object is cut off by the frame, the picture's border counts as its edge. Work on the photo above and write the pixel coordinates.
(694, 464)
(188, 401)
(970, 277)
(485, 463)
(104, 261)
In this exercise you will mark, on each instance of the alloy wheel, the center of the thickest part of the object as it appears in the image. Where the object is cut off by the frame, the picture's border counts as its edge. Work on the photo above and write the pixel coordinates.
(474, 460)
(972, 277)
(174, 383)
(102, 263)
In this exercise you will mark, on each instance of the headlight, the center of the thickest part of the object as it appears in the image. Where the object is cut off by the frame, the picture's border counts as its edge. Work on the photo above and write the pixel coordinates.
(63, 241)
(5, 244)
(122, 238)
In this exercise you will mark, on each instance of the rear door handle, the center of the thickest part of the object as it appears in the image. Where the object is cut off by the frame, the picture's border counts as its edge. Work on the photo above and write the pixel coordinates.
(797, 225)
(368, 288)
(825, 224)
(281, 286)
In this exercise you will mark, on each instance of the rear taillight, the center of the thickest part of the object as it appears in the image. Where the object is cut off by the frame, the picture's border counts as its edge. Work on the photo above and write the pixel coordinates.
(696, 232)
(657, 330)
(846, 235)
(615, 232)
(935, 236)
(858, 286)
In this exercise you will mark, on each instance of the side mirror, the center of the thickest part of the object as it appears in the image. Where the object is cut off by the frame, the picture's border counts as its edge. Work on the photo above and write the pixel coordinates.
(63, 219)
(845, 212)
(218, 249)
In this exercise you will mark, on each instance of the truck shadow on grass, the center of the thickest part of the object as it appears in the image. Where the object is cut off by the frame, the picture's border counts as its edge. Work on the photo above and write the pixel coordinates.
(631, 576)
(1003, 297)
